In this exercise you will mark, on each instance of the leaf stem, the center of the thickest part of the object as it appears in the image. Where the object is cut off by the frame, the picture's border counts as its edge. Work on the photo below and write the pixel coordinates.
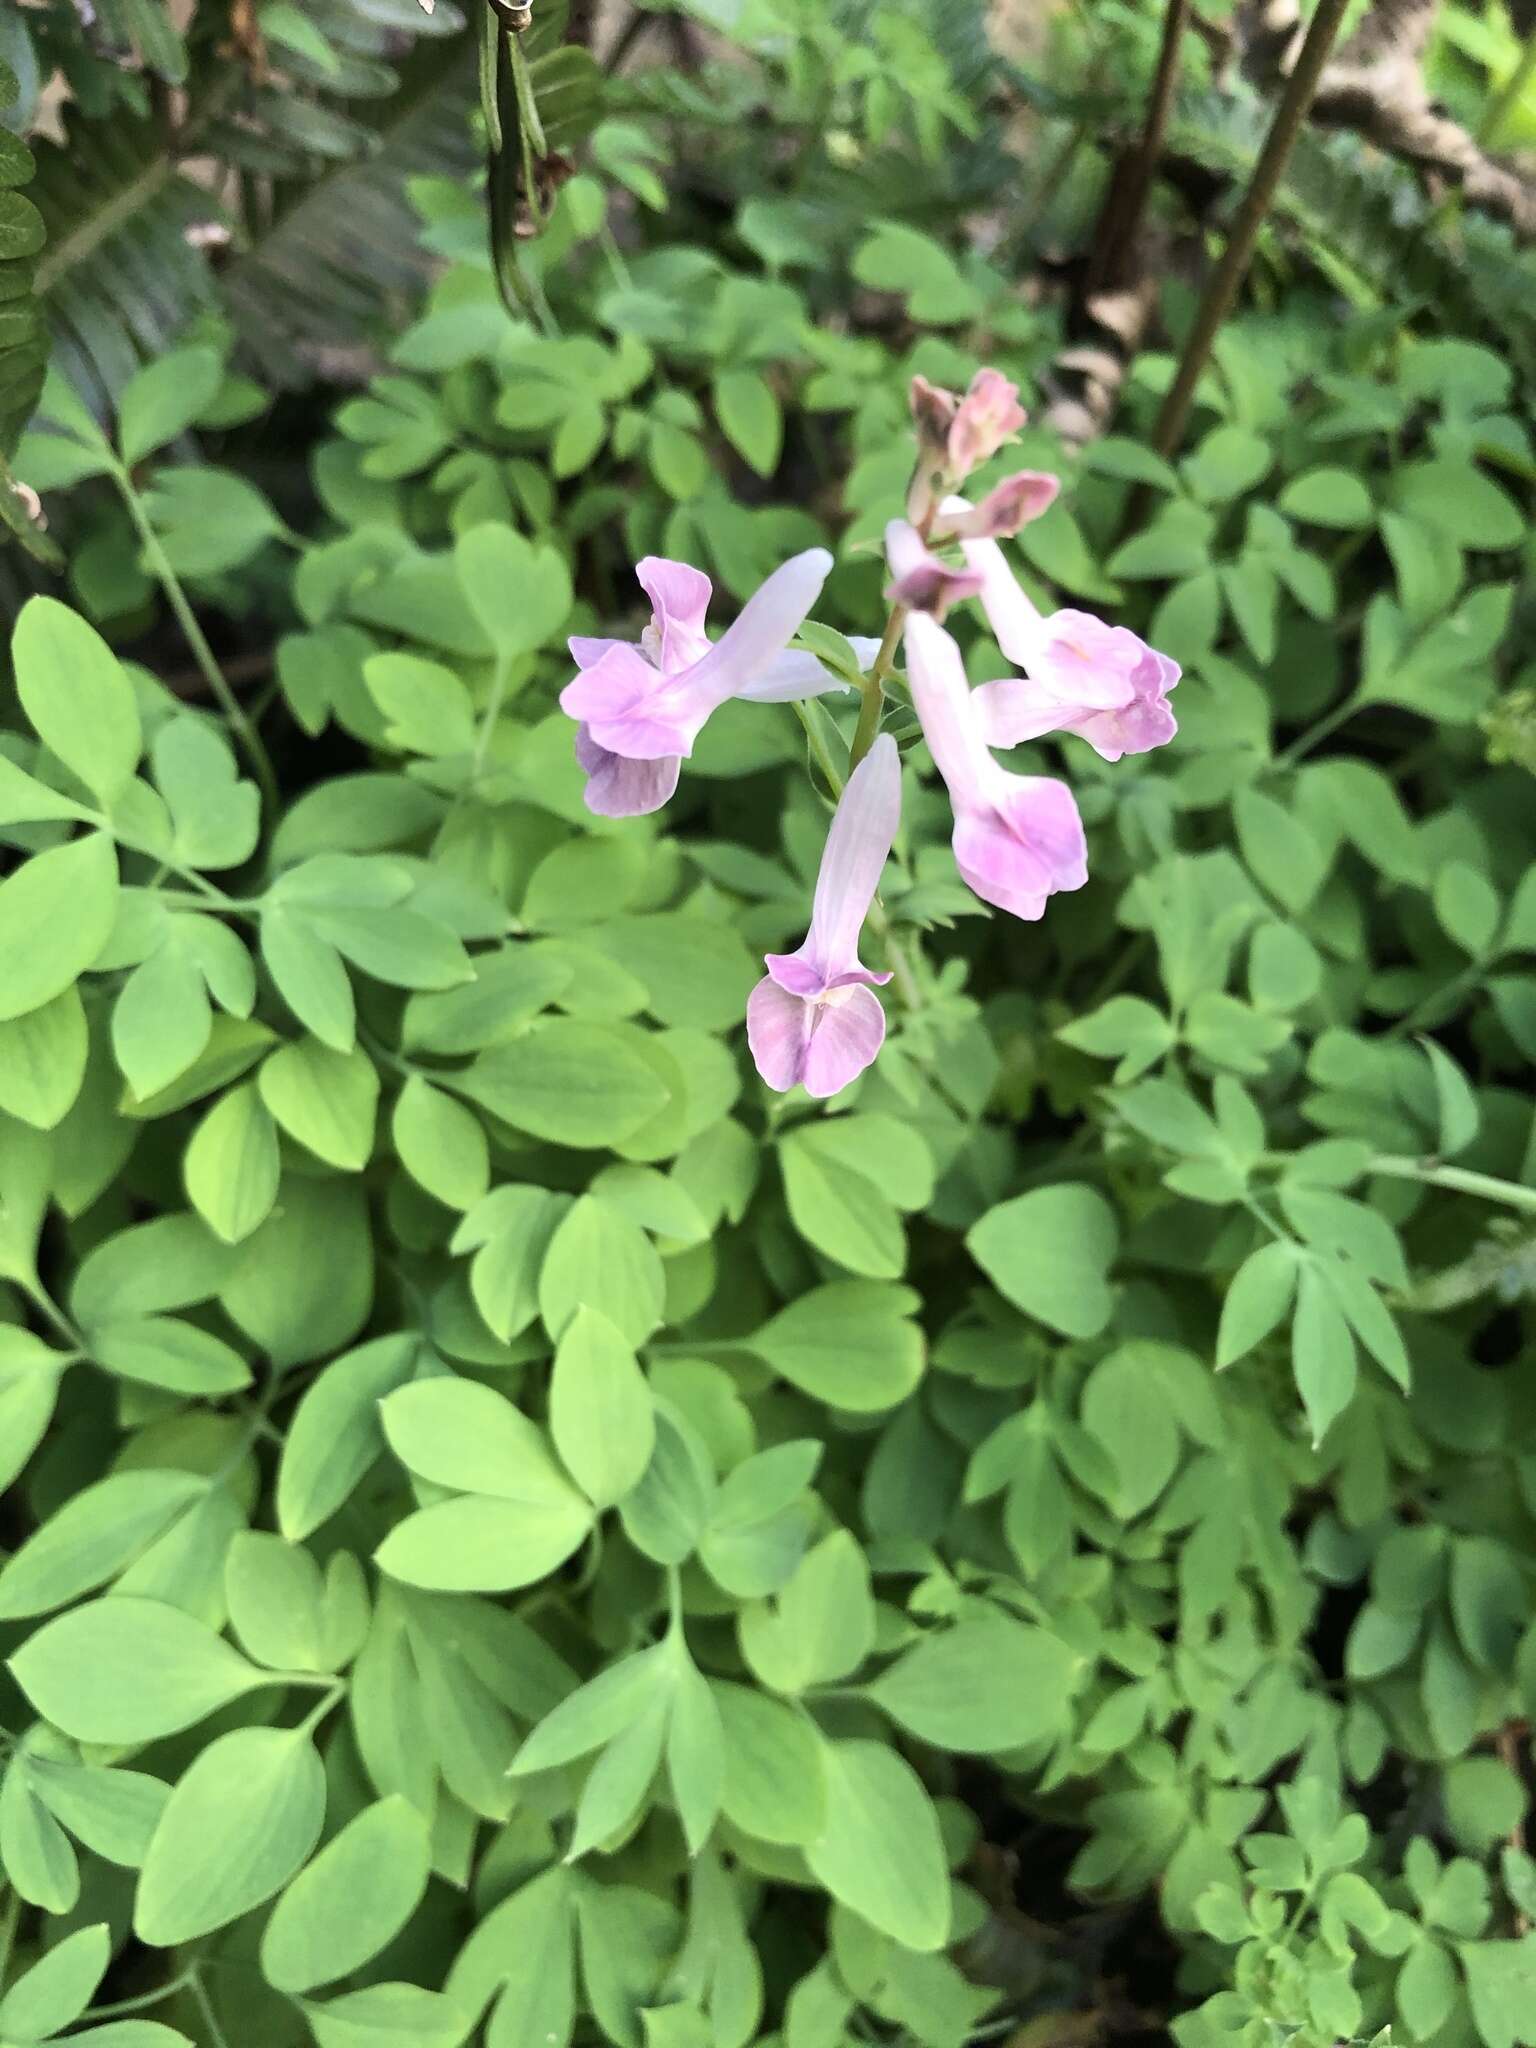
(1458, 1179)
(144, 1999)
(202, 653)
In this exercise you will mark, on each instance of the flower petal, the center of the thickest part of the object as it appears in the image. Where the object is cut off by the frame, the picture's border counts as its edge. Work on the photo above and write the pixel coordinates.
(617, 788)
(1014, 620)
(769, 620)
(790, 678)
(1021, 848)
(628, 706)
(679, 596)
(587, 651)
(847, 1032)
(778, 1032)
(942, 697)
(1014, 710)
(919, 579)
(858, 845)
(1026, 495)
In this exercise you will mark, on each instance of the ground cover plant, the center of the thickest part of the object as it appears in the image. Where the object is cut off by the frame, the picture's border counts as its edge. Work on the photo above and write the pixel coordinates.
(767, 1171)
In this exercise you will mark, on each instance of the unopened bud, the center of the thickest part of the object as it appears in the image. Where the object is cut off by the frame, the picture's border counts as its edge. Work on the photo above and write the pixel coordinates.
(988, 415)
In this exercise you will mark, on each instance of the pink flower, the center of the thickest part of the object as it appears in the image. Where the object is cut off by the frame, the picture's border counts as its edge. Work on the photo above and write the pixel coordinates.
(1102, 682)
(919, 580)
(640, 709)
(1018, 838)
(1007, 506)
(813, 1018)
(989, 415)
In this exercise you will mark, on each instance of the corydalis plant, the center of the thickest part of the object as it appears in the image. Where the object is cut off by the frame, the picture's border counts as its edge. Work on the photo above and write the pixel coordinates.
(814, 1020)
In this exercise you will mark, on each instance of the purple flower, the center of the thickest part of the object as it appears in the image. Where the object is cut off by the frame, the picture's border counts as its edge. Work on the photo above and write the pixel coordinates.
(919, 580)
(1081, 675)
(813, 1019)
(639, 709)
(1018, 838)
(1026, 495)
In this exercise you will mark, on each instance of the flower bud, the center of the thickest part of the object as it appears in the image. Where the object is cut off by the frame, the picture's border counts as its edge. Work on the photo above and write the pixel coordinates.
(988, 415)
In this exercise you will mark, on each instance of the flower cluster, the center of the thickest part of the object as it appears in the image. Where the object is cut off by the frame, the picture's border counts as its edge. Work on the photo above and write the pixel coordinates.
(813, 1020)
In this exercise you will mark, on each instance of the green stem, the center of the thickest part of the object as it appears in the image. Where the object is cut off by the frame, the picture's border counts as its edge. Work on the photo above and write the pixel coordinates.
(1458, 1180)
(145, 1998)
(492, 712)
(49, 1309)
(217, 2038)
(202, 653)
(1226, 280)
(820, 749)
(1316, 734)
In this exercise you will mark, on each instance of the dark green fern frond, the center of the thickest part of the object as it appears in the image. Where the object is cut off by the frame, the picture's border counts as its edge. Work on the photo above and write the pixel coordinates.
(310, 161)
(23, 337)
(346, 247)
(1366, 213)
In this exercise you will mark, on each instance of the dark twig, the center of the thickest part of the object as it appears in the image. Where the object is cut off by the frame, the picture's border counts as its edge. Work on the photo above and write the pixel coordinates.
(1221, 292)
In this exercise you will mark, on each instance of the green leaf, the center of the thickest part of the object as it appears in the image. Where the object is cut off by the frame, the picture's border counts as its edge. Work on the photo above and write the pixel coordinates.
(576, 1084)
(91, 1537)
(122, 1671)
(477, 1544)
(1460, 1117)
(850, 1344)
(1126, 1408)
(748, 411)
(216, 816)
(55, 1991)
(599, 1259)
(232, 1165)
(325, 1099)
(335, 1434)
(309, 975)
(441, 1144)
(667, 1513)
(601, 1413)
(1049, 1252)
(897, 258)
(838, 1210)
(1457, 500)
(1279, 849)
(881, 1853)
(988, 1683)
(351, 1901)
(35, 1851)
(75, 694)
(161, 1021)
(1322, 1353)
(519, 594)
(1328, 497)
(42, 1061)
(821, 1626)
(237, 1826)
(160, 401)
(388, 2016)
(56, 915)
(774, 1783)
(1256, 1302)
(426, 708)
(695, 1754)
(460, 1434)
(164, 1351)
(1501, 1983)
(509, 1232)
(30, 1371)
